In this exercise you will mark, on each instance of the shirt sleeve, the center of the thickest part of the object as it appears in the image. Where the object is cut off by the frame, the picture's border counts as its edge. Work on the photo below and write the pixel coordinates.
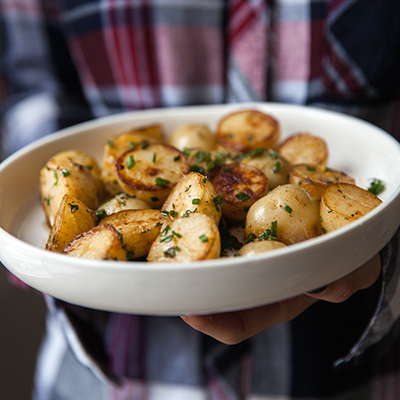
(384, 325)
(43, 92)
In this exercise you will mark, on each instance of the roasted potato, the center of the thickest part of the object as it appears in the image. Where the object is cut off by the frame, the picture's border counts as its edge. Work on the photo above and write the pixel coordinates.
(291, 209)
(193, 193)
(138, 229)
(304, 148)
(239, 186)
(316, 178)
(343, 203)
(259, 246)
(193, 136)
(269, 161)
(72, 172)
(121, 202)
(193, 238)
(121, 143)
(100, 243)
(248, 130)
(204, 161)
(150, 173)
(72, 219)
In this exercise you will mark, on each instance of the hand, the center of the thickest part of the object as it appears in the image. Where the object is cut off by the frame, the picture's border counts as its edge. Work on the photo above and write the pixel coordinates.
(234, 327)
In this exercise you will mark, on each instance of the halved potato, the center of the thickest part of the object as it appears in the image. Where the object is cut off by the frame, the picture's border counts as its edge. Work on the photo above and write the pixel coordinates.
(138, 229)
(316, 178)
(193, 238)
(193, 136)
(72, 172)
(343, 203)
(248, 130)
(288, 209)
(121, 202)
(239, 186)
(72, 219)
(271, 163)
(193, 193)
(150, 173)
(119, 144)
(304, 148)
(100, 243)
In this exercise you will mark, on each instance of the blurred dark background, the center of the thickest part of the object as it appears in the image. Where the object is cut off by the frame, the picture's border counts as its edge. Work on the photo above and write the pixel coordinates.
(22, 323)
(22, 316)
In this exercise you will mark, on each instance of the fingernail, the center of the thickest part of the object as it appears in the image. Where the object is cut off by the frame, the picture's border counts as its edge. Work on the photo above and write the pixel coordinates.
(318, 290)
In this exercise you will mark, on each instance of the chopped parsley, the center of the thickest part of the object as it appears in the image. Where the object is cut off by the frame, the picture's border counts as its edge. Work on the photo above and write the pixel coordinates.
(130, 162)
(74, 207)
(376, 187)
(218, 202)
(203, 238)
(242, 196)
(100, 214)
(287, 208)
(166, 239)
(171, 252)
(162, 182)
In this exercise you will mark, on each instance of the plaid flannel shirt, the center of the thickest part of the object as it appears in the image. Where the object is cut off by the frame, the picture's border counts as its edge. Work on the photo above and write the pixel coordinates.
(69, 61)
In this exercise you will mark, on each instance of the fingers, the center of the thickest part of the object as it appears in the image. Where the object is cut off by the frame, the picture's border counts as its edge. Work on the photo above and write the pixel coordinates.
(345, 287)
(234, 327)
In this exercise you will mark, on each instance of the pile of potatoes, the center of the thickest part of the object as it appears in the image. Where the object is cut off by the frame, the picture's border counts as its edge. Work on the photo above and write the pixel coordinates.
(179, 199)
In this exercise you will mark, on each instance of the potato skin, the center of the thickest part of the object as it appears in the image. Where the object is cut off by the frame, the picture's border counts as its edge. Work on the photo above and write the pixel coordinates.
(316, 178)
(194, 192)
(260, 246)
(240, 186)
(72, 172)
(271, 163)
(72, 219)
(247, 130)
(150, 173)
(343, 203)
(193, 136)
(294, 210)
(138, 229)
(187, 239)
(100, 243)
(304, 148)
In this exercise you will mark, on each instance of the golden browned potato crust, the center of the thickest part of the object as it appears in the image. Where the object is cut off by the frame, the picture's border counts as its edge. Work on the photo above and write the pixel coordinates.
(121, 143)
(304, 148)
(150, 173)
(72, 219)
(316, 178)
(248, 130)
(100, 243)
(343, 203)
(240, 186)
(138, 229)
(187, 239)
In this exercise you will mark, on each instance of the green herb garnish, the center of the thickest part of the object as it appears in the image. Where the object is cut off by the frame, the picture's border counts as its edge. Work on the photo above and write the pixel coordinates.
(376, 187)
(287, 208)
(242, 196)
(162, 182)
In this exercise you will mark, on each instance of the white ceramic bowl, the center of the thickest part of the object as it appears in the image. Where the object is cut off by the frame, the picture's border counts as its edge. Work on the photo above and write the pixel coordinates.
(356, 147)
